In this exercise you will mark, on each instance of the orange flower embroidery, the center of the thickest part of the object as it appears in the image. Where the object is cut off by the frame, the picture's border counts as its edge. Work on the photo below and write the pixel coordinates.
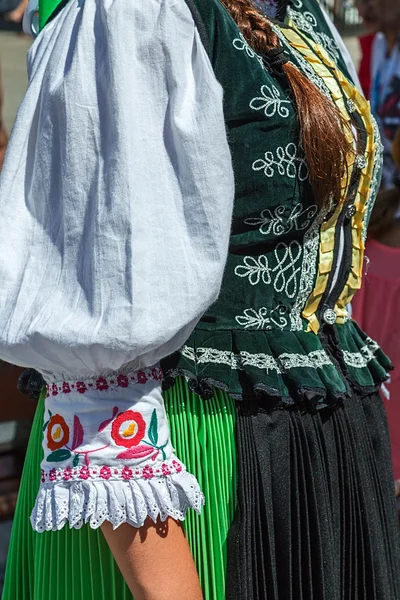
(57, 433)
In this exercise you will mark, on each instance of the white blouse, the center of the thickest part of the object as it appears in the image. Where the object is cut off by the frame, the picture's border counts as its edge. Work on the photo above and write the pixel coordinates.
(116, 193)
(116, 198)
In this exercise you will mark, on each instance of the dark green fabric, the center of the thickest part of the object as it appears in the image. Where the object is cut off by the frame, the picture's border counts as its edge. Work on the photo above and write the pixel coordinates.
(308, 17)
(77, 564)
(253, 338)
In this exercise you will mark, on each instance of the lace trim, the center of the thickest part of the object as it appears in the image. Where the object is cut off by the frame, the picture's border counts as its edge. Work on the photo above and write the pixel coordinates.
(284, 362)
(103, 384)
(359, 360)
(241, 360)
(307, 23)
(376, 178)
(305, 66)
(308, 270)
(123, 501)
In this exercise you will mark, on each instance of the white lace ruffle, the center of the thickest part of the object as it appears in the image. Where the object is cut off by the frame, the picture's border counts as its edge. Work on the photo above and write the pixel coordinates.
(116, 501)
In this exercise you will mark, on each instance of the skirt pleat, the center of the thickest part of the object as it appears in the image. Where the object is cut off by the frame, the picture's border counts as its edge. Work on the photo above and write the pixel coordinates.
(299, 506)
(327, 527)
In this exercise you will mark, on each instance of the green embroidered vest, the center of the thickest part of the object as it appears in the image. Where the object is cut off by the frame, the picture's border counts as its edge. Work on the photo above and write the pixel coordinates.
(280, 326)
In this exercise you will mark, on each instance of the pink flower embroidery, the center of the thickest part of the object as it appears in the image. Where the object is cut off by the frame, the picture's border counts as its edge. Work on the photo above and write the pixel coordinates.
(67, 474)
(147, 472)
(123, 381)
(156, 374)
(84, 472)
(66, 387)
(142, 377)
(101, 384)
(81, 387)
(165, 469)
(126, 473)
(105, 472)
(52, 475)
(54, 390)
(178, 466)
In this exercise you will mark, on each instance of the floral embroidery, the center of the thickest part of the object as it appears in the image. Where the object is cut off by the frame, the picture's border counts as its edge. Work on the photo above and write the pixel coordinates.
(103, 384)
(118, 473)
(274, 221)
(105, 472)
(287, 162)
(255, 269)
(283, 275)
(307, 23)
(128, 429)
(57, 432)
(264, 318)
(242, 44)
(271, 102)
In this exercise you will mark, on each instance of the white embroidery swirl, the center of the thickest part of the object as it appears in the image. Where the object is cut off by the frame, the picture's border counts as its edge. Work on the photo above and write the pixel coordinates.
(286, 162)
(270, 102)
(273, 221)
(283, 275)
(263, 318)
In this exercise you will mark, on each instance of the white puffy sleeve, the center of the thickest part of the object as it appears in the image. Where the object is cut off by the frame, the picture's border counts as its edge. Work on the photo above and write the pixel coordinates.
(115, 201)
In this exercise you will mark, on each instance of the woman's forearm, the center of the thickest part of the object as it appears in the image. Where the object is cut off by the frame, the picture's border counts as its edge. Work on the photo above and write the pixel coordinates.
(154, 560)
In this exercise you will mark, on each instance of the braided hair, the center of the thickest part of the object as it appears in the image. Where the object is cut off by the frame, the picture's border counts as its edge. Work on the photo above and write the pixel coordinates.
(322, 128)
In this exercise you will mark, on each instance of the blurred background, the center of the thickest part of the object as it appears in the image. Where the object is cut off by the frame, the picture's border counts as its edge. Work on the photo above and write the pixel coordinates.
(16, 410)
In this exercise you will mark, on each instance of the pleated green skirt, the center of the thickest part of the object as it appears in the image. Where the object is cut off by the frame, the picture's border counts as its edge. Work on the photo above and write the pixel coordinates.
(77, 564)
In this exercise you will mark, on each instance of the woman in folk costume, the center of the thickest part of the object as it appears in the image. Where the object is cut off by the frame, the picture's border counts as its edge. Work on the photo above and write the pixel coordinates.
(123, 270)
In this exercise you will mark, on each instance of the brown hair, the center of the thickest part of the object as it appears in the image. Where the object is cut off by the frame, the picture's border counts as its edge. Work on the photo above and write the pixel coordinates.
(322, 128)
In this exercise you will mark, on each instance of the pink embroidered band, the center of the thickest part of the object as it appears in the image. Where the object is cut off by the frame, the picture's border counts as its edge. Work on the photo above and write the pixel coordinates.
(105, 383)
(126, 473)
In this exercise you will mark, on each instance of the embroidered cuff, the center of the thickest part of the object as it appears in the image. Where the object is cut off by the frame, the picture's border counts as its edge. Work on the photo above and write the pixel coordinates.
(108, 456)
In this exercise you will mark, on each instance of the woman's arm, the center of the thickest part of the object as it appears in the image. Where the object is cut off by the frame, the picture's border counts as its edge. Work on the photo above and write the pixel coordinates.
(137, 553)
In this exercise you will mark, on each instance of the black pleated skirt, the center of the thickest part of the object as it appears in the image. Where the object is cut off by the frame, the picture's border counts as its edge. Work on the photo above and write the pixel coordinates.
(316, 516)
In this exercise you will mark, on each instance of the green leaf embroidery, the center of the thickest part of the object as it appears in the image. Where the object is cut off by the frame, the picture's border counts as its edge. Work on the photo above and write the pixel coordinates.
(76, 460)
(59, 455)
(45, 425)
(153, 429)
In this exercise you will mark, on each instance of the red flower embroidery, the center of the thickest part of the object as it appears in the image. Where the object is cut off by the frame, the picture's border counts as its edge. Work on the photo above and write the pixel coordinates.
(57, 433)
(84, 472)
(81, 387)
(178, 466)
(165, 469)
(142, 377)
(126, 473)
(54, 390)
(105, 472)
(128, 429)
(147, 472)
(67, 474)
(52, 474)
(66, 387)
(123, 381)
(101, 384)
